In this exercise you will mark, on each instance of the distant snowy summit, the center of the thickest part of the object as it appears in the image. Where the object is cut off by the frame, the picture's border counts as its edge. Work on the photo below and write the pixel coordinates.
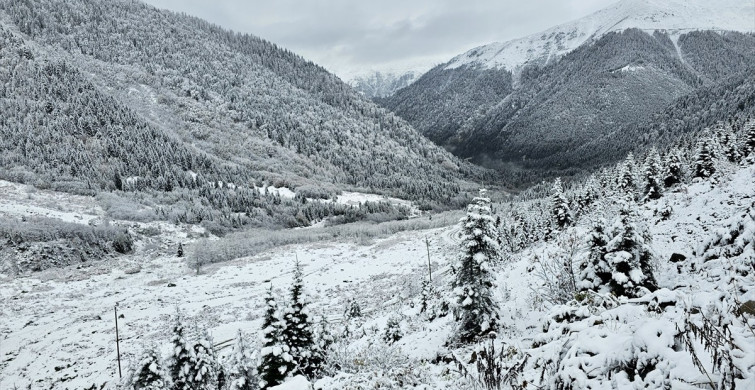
(379, 84)
(672, 16)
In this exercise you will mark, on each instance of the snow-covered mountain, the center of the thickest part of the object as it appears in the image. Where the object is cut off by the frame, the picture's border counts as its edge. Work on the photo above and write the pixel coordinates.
(383, 84)
(672, 16)
(587, 92)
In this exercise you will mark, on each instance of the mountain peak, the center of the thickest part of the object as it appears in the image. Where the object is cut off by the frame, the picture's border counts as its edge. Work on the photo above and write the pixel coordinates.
(673, 16)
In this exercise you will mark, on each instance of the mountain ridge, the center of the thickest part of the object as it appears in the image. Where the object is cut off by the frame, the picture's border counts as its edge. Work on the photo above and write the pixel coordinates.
(649, 15)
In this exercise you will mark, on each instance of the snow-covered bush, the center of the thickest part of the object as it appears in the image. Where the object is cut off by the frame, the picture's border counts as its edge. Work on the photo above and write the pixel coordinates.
(146, 373)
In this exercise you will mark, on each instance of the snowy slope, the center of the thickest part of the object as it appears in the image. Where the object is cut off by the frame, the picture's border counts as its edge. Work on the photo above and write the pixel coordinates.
(56, 328)
(673, 16)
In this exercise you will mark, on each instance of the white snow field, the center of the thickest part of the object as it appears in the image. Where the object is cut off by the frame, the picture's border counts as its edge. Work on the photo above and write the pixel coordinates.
(57, 326)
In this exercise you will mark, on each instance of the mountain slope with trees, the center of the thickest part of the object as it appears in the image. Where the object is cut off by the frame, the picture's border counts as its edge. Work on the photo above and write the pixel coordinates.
(577, 109)
(139, 99)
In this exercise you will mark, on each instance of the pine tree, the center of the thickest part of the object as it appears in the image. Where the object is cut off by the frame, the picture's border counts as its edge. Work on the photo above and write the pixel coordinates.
(275, 359)
(393, 331)
(147, 373)
(561, 211)
(353, 310)
(627, 183)
(672, 169)
(749, 144)
(241, 375)
(628, 257)
(181, 360)
(730, 145)
(320, 352)
(590, 193)
(476, 310)
(297, 333)
(204, 368)
(594, 272)
(651, 176)
(704, 163)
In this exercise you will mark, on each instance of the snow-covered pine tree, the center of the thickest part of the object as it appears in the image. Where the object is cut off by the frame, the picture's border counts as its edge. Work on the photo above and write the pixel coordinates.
(181, 359)
(393, 330)
(324, 341)
(241, 375)
(627, 183)
(749, 142)
(651, 176)
(672, 168)
(476, 310)
(629, 257)
(704, 161)
(297, 332)
(590, 193)
(147, 373)
(594, 271)
(205, 368)
(730, 145)
(561, 211)
(275, 360)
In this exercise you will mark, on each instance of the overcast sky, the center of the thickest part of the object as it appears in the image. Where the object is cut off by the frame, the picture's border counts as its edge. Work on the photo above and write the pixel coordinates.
(354, 36)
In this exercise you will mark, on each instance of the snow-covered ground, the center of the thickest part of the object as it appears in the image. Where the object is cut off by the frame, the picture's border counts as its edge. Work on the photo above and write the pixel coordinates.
(57, 327)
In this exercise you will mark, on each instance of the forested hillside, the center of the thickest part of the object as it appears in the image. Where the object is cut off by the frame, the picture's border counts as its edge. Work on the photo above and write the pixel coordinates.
(117, 95)
(588, 108)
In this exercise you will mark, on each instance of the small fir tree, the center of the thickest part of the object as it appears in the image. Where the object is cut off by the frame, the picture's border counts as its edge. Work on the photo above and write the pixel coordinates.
(629, 257)
(275, 360)
(651, 176)
(561, 212)
(594, 272)
(180, 252)
(476, 310)
(241, 374)
(147, 373)
(672, 169)
(297, 332)
(730, 145)
(627, 183)
(705, 165)
(393, 331)
(324, 341)
(353, 310)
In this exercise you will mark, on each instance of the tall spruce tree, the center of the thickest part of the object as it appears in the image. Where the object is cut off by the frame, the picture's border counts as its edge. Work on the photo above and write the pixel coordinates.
(476, 310)
(147, 373)
(275, 360)
(749, 143)
(298, 333)
(651, 176)
(181, 360)
(627, 183)
(204, 369)
(561, 211)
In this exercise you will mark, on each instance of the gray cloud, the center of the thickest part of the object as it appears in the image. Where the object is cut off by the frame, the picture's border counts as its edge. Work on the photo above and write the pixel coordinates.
(352, 36)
